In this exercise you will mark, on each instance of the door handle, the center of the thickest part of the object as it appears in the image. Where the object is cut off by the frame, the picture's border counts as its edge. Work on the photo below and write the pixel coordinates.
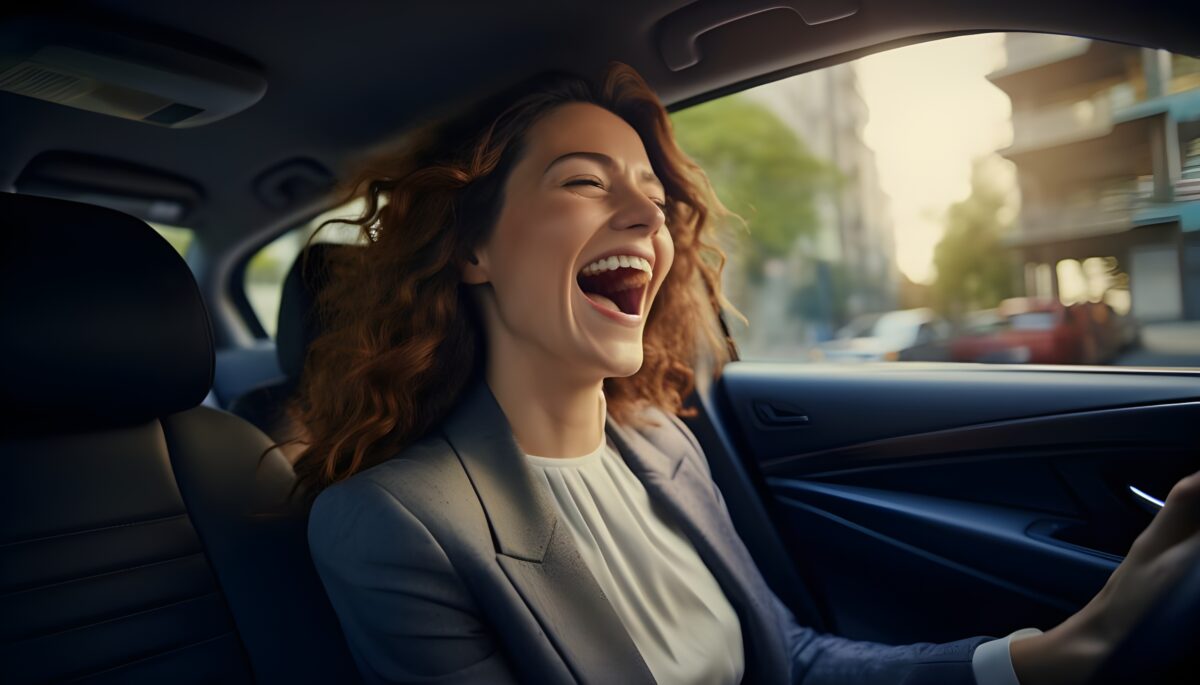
(778, 414)
(1146, 501)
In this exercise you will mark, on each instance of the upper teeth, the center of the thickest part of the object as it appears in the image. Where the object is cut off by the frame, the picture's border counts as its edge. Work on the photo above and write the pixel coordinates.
(616, 262)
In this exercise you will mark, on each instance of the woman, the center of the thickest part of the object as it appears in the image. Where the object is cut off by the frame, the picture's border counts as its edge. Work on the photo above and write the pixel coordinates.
(539, 281)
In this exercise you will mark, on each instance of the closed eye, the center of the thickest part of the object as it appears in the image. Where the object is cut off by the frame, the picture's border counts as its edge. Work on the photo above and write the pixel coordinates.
(585, 181)
(595, 183)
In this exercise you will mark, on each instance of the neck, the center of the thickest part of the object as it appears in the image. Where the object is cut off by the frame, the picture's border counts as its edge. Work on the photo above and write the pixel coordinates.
(550, 414)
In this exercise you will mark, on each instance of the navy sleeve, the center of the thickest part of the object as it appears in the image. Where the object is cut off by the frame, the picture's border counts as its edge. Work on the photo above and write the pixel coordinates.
(821, 659)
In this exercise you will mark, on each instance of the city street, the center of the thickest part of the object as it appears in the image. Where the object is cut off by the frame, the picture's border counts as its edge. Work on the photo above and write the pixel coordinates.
(1165, 344)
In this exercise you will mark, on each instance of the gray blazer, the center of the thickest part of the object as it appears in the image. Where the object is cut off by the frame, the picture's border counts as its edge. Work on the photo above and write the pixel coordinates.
(448, 564)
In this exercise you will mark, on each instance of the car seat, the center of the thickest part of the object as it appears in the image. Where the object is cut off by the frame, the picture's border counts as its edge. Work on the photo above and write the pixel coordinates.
(141, 537)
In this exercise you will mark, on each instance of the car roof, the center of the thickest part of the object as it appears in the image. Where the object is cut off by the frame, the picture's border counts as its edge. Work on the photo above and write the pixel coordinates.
(907, 316)
(344, 78)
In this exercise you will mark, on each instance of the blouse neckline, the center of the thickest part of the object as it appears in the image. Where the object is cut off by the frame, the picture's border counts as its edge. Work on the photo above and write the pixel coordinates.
(569, 462)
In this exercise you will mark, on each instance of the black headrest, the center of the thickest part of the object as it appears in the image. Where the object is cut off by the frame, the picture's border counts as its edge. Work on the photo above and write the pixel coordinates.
(299, 324)
(101, 322)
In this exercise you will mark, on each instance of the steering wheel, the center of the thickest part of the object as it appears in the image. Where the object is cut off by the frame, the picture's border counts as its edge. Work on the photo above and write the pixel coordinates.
(1164, 646)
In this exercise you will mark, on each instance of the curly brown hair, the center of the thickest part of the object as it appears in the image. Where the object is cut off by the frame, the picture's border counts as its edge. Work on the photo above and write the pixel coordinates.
(401, 335)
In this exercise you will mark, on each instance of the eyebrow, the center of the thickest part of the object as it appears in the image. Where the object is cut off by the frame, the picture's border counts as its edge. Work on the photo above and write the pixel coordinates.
(603, 159)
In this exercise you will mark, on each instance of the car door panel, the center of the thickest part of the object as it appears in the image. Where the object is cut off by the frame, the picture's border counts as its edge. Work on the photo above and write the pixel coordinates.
(931, 502)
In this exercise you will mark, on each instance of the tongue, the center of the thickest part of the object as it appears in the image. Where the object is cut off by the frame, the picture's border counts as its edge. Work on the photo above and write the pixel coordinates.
(603, 301)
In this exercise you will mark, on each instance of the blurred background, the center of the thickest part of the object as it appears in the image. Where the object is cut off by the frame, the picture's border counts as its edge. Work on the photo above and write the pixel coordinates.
(1006, 198)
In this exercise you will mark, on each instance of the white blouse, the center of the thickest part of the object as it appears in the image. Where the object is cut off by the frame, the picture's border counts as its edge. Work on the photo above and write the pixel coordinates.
(668, 600)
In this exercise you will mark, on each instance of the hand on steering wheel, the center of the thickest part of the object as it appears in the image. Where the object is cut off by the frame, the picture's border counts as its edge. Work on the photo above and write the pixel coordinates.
(1164, 646)
(1144, 625)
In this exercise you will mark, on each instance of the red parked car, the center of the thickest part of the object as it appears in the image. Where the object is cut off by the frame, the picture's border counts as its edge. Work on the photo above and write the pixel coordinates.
(1032, 330)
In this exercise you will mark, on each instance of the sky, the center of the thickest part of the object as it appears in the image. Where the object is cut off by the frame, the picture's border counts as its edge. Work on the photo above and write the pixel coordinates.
(932, 111)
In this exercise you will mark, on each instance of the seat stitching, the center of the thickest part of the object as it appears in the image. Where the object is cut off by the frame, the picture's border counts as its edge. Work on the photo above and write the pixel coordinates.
(149, 657)
(93, 576)
(64, 631)
(92, 530)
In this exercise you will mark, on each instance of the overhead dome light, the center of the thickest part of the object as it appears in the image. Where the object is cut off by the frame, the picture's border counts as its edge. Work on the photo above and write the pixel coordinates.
(99, 71)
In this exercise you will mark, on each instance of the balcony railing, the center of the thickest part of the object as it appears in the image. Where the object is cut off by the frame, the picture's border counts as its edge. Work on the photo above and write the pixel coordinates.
(1027, 50)
(1072, 221)
(1092, 213)
(1067, 122)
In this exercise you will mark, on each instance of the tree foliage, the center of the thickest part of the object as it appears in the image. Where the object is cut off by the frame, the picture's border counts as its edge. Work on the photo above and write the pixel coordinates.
(974, 267)
(760, 169)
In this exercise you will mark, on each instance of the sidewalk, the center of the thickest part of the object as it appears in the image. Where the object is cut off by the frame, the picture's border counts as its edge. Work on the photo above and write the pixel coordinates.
(1175, 343)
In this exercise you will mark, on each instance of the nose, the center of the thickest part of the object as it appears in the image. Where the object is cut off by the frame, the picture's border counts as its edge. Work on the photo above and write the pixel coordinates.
(639, 212)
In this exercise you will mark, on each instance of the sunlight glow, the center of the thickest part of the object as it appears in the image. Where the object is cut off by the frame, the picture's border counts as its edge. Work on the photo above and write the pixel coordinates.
(932, 111)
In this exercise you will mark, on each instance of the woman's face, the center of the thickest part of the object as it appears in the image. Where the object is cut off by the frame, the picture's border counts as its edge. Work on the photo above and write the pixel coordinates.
(580, 248)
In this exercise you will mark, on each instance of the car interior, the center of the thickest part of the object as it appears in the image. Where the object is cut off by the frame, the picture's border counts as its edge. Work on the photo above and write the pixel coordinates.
(146, 531)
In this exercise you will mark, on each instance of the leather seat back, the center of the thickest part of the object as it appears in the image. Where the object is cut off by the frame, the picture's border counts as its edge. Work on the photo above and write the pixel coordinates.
(140, 538)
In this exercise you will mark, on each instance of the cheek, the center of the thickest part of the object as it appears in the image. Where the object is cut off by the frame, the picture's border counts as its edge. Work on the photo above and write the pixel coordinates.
(546, 225)
(667, 245)
(536, 254)
(664, 249)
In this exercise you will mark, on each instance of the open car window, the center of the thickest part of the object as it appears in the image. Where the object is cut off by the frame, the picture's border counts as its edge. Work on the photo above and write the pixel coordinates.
(961, 176)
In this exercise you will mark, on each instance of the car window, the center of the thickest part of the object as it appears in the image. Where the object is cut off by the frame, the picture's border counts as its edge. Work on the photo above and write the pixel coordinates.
(925, 334)
(1033, 321)
(956, 175)
(267, 269)
(981, 323)
(179, 237)
(859, 327)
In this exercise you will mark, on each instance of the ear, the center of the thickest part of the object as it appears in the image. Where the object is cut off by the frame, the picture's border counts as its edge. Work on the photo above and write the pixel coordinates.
(475, 271)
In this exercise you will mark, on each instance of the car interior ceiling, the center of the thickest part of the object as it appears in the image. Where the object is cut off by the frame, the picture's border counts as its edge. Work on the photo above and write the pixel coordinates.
(340, 84)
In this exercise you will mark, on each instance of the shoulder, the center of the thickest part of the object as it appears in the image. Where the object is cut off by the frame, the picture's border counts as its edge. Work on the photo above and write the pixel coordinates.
(406, 477)
(422, 492)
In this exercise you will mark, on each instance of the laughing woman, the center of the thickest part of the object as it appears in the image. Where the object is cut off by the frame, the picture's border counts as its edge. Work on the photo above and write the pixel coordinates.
(505, 492)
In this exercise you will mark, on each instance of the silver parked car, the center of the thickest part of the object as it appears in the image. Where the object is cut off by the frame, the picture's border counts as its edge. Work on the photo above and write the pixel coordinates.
(904, 335)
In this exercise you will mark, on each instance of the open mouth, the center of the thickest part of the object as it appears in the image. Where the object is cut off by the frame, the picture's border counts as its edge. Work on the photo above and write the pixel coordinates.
(616, 283)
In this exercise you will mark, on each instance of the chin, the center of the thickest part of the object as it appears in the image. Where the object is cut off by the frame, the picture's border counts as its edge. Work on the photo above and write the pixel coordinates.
(623, 366)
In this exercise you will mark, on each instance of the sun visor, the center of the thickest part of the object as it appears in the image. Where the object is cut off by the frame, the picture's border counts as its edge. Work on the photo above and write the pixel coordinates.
(100, 71)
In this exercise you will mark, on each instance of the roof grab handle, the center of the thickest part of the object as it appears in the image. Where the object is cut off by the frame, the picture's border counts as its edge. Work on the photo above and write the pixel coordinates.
(680, 30)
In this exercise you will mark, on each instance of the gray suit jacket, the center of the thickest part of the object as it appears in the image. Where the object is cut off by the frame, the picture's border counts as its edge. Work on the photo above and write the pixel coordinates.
(448, 564)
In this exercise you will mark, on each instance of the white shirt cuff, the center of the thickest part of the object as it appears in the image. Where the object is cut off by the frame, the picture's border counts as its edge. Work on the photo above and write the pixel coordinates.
(992, 662)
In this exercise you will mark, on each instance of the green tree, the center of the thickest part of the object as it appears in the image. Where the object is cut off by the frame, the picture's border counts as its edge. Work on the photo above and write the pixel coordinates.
(760, 169)
(974, 267)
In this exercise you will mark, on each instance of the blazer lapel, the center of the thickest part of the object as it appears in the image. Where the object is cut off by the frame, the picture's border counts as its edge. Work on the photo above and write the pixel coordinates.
(538, 555)
(659, 460)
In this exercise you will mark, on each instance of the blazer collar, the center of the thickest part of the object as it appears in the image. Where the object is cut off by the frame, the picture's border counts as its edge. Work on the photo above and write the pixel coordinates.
(542, 562)
(659, 463)
(539, 556)
(656, 455)
(522, 513)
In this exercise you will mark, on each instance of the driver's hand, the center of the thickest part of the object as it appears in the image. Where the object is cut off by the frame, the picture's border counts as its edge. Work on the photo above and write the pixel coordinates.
(1158, 558)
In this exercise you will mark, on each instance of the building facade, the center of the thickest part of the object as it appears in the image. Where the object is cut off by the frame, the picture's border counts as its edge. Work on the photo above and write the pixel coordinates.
(848, 266)
(1106, 141)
